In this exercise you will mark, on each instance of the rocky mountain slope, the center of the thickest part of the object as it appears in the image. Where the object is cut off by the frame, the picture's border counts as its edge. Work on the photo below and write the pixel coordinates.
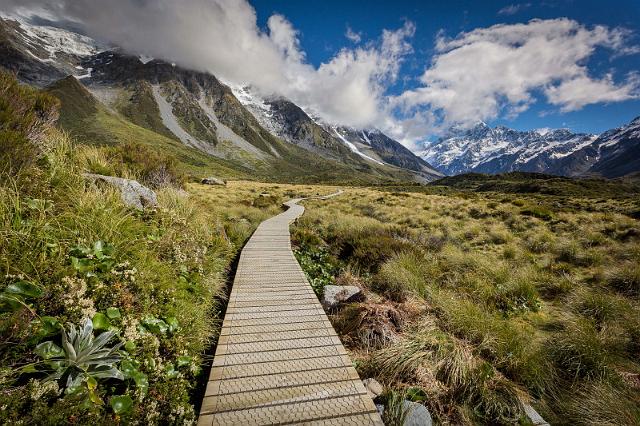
(189, 107)
(560, 152)
(290, 122)
(374, 144)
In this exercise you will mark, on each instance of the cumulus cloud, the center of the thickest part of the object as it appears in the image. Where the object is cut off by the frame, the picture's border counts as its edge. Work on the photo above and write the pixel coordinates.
(222, 37)
(495, 71)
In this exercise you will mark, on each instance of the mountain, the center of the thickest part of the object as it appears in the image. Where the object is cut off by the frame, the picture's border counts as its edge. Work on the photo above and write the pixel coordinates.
(40, 55)
(375, 145)
(497, 150)
(618, 151)
(112, 91)
(290, 122)
(483, 149)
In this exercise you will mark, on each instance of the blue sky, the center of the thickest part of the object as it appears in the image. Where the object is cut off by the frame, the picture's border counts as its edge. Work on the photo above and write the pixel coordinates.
(321, 27)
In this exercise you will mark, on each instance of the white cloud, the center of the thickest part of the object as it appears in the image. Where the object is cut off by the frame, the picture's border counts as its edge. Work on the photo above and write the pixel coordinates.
(353, 36)
(574, 94)
(496, 71)
(512, 9)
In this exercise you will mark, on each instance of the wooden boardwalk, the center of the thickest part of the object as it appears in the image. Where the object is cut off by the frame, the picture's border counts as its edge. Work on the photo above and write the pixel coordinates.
(278, 359)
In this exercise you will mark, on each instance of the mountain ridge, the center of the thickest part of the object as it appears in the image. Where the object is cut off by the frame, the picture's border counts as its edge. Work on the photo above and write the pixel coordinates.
(484, 149)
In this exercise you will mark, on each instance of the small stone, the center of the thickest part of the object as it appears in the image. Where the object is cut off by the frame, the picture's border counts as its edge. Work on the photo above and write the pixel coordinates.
(417, 414)
(374, 388)
(213, 181)
(533, 415)
(132, 192)
(335, 295)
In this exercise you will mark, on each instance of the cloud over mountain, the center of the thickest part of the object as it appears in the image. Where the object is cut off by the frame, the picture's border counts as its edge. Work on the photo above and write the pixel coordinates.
(222, 37)
(486, 73)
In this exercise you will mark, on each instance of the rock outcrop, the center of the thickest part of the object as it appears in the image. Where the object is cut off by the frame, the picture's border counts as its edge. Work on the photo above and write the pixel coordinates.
(212, 181)
(133, 193)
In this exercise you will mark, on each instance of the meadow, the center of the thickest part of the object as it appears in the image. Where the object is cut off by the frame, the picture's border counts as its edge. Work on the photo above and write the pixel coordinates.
(482, 293)
(481, 301)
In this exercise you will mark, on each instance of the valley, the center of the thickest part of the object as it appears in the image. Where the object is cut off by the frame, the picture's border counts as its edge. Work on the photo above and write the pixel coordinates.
(154, 270)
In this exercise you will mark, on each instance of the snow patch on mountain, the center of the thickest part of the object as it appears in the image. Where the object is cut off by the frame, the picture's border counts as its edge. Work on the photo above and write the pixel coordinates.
(354, 148)
(54, 41)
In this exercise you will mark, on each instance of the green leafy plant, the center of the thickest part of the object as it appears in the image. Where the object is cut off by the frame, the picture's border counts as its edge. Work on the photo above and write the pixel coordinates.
(168, 325)
(318, 266)
(90, 260)
(18, 294)
(121, 404)
(83, 358)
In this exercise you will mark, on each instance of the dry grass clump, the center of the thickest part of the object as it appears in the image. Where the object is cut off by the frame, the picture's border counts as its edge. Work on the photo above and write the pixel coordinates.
(580, 351)
(601, 403)
(625, 279)
(369, 325)
(450, 374)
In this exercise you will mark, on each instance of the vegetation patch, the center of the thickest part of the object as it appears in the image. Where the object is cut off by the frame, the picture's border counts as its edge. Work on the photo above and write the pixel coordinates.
(483, 300)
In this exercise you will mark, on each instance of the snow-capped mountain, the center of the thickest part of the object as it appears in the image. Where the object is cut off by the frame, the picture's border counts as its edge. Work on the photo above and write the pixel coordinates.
(373, 144)
(500, 149)
(46, 53)
(496, 150)
(618, 151)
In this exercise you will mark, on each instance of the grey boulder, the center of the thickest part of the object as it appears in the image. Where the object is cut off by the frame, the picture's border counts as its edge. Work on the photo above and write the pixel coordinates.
(213, 181)
(133, 193)
(335, 295)
(417, 414)
(374, 388)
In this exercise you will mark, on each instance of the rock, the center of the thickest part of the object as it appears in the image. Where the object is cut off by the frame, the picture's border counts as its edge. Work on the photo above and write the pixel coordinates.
(213, 181)
(335, 295)
(132, 192)
(417, 414)
(536, 419)
(374, 388)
